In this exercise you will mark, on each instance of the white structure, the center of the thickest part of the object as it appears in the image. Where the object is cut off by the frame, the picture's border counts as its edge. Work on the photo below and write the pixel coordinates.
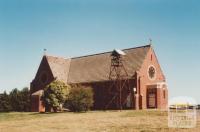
(182, 112)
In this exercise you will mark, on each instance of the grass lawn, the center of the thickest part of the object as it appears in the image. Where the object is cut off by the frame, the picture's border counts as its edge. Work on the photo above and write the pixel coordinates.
(114, 121)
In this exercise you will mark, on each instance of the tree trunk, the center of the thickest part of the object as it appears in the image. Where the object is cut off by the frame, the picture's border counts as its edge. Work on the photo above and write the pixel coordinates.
(54, 109)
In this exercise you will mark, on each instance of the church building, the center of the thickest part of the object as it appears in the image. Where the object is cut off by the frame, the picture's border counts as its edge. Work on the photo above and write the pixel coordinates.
(121, 79)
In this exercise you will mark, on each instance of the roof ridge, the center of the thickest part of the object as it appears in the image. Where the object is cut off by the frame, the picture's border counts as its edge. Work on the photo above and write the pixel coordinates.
(149, 45)
(59, 57)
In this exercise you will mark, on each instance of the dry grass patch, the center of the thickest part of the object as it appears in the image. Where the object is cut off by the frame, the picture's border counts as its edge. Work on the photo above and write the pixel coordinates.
(98, 121)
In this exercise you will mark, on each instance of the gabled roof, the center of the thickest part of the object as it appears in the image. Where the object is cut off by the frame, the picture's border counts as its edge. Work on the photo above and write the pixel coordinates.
(95, 67)
(59, 67)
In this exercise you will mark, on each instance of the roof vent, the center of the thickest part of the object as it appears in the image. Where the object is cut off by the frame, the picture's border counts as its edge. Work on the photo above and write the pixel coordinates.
(117, 52)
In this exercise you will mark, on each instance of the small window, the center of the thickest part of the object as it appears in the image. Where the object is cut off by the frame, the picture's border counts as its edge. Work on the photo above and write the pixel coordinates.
(152, 72)
(151, 57)
(164, 94)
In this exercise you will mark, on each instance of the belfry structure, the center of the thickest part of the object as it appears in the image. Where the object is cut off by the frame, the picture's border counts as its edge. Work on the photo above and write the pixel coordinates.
(119, 79)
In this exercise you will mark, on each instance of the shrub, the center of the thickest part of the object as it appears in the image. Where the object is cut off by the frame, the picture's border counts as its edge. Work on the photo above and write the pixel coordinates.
(4, 102)
(80, 98)
(55, 95)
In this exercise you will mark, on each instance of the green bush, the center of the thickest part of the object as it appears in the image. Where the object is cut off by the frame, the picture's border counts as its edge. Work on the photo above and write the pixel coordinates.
(55, 95)
(80, 98)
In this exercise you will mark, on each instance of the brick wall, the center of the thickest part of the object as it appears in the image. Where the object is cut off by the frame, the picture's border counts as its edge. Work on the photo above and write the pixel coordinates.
(145, 81)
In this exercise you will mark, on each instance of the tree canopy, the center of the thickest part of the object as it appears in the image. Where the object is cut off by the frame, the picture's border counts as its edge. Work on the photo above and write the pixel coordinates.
(4, 102)
(16, 100)
(55, 95)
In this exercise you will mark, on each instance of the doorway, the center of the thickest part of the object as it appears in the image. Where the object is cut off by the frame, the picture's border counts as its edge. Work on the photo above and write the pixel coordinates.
(151, 98)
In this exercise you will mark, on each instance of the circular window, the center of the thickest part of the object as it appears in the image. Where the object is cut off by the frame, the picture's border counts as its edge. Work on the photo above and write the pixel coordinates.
(152, 72)
(43, 77)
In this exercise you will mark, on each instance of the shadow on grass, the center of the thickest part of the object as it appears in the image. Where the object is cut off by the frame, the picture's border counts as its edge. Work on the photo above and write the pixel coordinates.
(57, 113)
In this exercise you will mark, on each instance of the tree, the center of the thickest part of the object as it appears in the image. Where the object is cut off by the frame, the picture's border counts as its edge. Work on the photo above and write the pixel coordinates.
(25, 99)
(80, 98)
(20, 99)
(4, 102)
(55, 95)
(15, 99)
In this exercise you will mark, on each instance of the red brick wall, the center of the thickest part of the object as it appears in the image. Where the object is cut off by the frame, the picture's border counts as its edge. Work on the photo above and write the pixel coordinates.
(36, 104)
(151, 59)
(162, 100)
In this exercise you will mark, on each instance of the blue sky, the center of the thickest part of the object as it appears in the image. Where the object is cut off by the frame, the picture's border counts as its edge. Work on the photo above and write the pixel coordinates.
(80, 27)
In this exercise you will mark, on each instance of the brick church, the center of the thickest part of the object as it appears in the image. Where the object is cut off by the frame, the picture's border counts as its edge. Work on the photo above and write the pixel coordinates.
(136, 81)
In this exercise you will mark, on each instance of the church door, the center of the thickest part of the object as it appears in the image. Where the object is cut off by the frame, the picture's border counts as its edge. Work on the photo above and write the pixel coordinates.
(151, 98)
